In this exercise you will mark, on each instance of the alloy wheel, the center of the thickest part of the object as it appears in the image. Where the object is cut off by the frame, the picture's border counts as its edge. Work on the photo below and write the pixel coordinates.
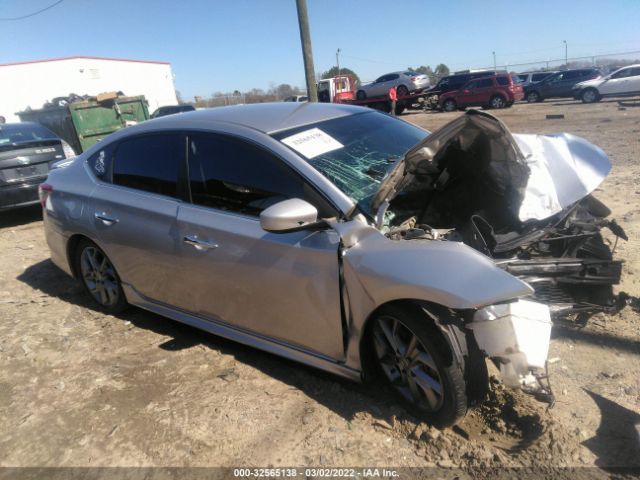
(497, 102)
(99, 276)
(407, 364)
(589, 96)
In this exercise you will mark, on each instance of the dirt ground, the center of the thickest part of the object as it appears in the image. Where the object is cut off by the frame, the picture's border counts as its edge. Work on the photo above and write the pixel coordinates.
(80, 388)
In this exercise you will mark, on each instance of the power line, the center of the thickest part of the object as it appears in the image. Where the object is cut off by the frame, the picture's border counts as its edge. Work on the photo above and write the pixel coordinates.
(33, 14)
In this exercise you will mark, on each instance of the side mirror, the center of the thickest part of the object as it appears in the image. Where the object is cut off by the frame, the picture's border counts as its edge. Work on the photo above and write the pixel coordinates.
(290, 216)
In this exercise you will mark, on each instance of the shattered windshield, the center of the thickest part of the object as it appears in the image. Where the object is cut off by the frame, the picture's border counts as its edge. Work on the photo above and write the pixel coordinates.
(354, 152)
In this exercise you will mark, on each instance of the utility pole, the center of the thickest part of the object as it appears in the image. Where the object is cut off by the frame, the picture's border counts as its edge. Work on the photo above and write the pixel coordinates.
(566, 58)
(494, 60)
(338, 61)
(307, 53)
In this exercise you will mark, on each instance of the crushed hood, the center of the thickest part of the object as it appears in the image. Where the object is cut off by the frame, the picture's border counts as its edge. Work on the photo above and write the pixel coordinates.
(547, 172)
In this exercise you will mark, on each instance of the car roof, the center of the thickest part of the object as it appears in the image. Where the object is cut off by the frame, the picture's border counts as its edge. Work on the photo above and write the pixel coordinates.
(264, 117)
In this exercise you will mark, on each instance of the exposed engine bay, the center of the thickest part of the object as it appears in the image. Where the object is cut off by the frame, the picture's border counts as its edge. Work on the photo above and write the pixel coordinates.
(523, 200)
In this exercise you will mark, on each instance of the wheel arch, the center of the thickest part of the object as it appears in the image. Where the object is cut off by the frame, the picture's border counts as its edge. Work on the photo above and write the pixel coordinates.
(447, 324)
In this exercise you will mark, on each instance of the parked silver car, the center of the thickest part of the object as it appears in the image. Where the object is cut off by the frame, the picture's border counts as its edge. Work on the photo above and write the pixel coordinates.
(292, 228)
(405, 82)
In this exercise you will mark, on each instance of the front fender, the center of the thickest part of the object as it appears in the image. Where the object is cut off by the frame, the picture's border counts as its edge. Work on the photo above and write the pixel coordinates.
(447, 273)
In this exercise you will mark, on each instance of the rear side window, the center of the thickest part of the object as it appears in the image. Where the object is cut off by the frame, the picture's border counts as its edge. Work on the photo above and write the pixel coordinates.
(229, 174)
(536, 77)
(504, 81)
(100, 163)
(150, 163)
(487, 82)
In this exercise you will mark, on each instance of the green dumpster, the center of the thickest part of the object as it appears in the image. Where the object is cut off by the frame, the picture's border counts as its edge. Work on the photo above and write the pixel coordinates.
(82, 124)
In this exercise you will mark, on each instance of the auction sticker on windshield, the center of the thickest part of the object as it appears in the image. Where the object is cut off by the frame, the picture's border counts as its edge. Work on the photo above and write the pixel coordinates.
(312, 143)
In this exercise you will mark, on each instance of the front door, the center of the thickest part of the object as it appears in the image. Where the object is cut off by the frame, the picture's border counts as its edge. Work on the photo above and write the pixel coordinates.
(283, 286)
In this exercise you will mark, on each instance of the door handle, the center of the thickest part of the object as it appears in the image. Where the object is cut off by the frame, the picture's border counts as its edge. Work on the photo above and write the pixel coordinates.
(105, 218)
(194, 241)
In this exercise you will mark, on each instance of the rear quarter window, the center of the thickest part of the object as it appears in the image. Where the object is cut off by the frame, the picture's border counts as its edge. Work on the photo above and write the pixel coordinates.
(100, 163)
(504, 81)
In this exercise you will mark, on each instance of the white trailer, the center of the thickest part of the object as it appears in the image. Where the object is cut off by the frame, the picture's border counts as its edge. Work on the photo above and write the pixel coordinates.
(30, 84)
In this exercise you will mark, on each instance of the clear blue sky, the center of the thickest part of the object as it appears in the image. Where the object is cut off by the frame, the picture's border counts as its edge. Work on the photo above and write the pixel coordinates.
(222, 45)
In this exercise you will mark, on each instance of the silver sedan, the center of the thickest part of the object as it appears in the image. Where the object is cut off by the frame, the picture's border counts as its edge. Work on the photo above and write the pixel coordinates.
(404, 82)
(270, 225)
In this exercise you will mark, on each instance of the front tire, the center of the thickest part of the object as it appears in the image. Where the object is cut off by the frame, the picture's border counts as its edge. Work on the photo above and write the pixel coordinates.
(99, 278)
(497, 101)
(590, 95)
(414, 358)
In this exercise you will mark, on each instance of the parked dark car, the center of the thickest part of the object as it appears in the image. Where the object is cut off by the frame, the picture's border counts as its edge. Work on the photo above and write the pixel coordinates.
(559, 84)
(171, 109)
(527, 78)
(27, 151)
(453, 82)
(497, 91)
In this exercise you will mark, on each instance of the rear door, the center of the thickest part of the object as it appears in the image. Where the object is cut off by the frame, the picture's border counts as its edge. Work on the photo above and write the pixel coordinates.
(134, 212)
(284, 286)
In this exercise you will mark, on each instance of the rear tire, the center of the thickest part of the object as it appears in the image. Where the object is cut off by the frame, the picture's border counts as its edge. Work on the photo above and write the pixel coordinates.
(533, 97)
(98, 277)
(361, 95)
(402, 91)
(416, 360)
(449, 105)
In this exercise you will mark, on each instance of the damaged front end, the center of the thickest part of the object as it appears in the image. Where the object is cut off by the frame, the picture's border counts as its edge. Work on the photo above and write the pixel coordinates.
(523, 200)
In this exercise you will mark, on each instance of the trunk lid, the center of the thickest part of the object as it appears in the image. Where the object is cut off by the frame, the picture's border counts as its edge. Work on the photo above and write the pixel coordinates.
(25, 161)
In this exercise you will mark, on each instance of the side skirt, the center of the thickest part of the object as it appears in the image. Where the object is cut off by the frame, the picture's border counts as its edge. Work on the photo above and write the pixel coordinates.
(241, 336)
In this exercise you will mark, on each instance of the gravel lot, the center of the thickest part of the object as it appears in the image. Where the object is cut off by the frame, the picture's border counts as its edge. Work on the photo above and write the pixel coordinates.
(80, 388)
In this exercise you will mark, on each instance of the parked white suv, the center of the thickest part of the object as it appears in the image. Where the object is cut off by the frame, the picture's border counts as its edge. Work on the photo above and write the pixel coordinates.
(623, 82)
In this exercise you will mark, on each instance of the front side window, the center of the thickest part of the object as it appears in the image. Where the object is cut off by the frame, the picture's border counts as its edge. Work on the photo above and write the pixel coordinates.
(229, 174)
(150, 163)
(355, 152)
(622, 73)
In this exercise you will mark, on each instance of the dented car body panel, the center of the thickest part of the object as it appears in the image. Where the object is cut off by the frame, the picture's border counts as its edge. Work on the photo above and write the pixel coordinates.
(397, 229)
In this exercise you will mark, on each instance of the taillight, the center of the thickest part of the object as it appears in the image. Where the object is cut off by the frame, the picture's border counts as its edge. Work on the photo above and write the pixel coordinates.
(68, 151)
(44, 190)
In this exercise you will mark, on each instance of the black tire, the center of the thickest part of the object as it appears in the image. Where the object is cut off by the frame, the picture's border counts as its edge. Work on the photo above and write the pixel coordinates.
(402, 91)
(590, 95)
(416, 360)
(98, 277)
(399, 109)
(361, 95)
(533, 97)
(449, 105)
(497, 102)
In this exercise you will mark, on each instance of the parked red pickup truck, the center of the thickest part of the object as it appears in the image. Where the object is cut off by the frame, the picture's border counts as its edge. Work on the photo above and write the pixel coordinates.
(497, 91)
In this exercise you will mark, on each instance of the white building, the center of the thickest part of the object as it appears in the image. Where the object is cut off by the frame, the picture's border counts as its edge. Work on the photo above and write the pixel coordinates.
(31, 84)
